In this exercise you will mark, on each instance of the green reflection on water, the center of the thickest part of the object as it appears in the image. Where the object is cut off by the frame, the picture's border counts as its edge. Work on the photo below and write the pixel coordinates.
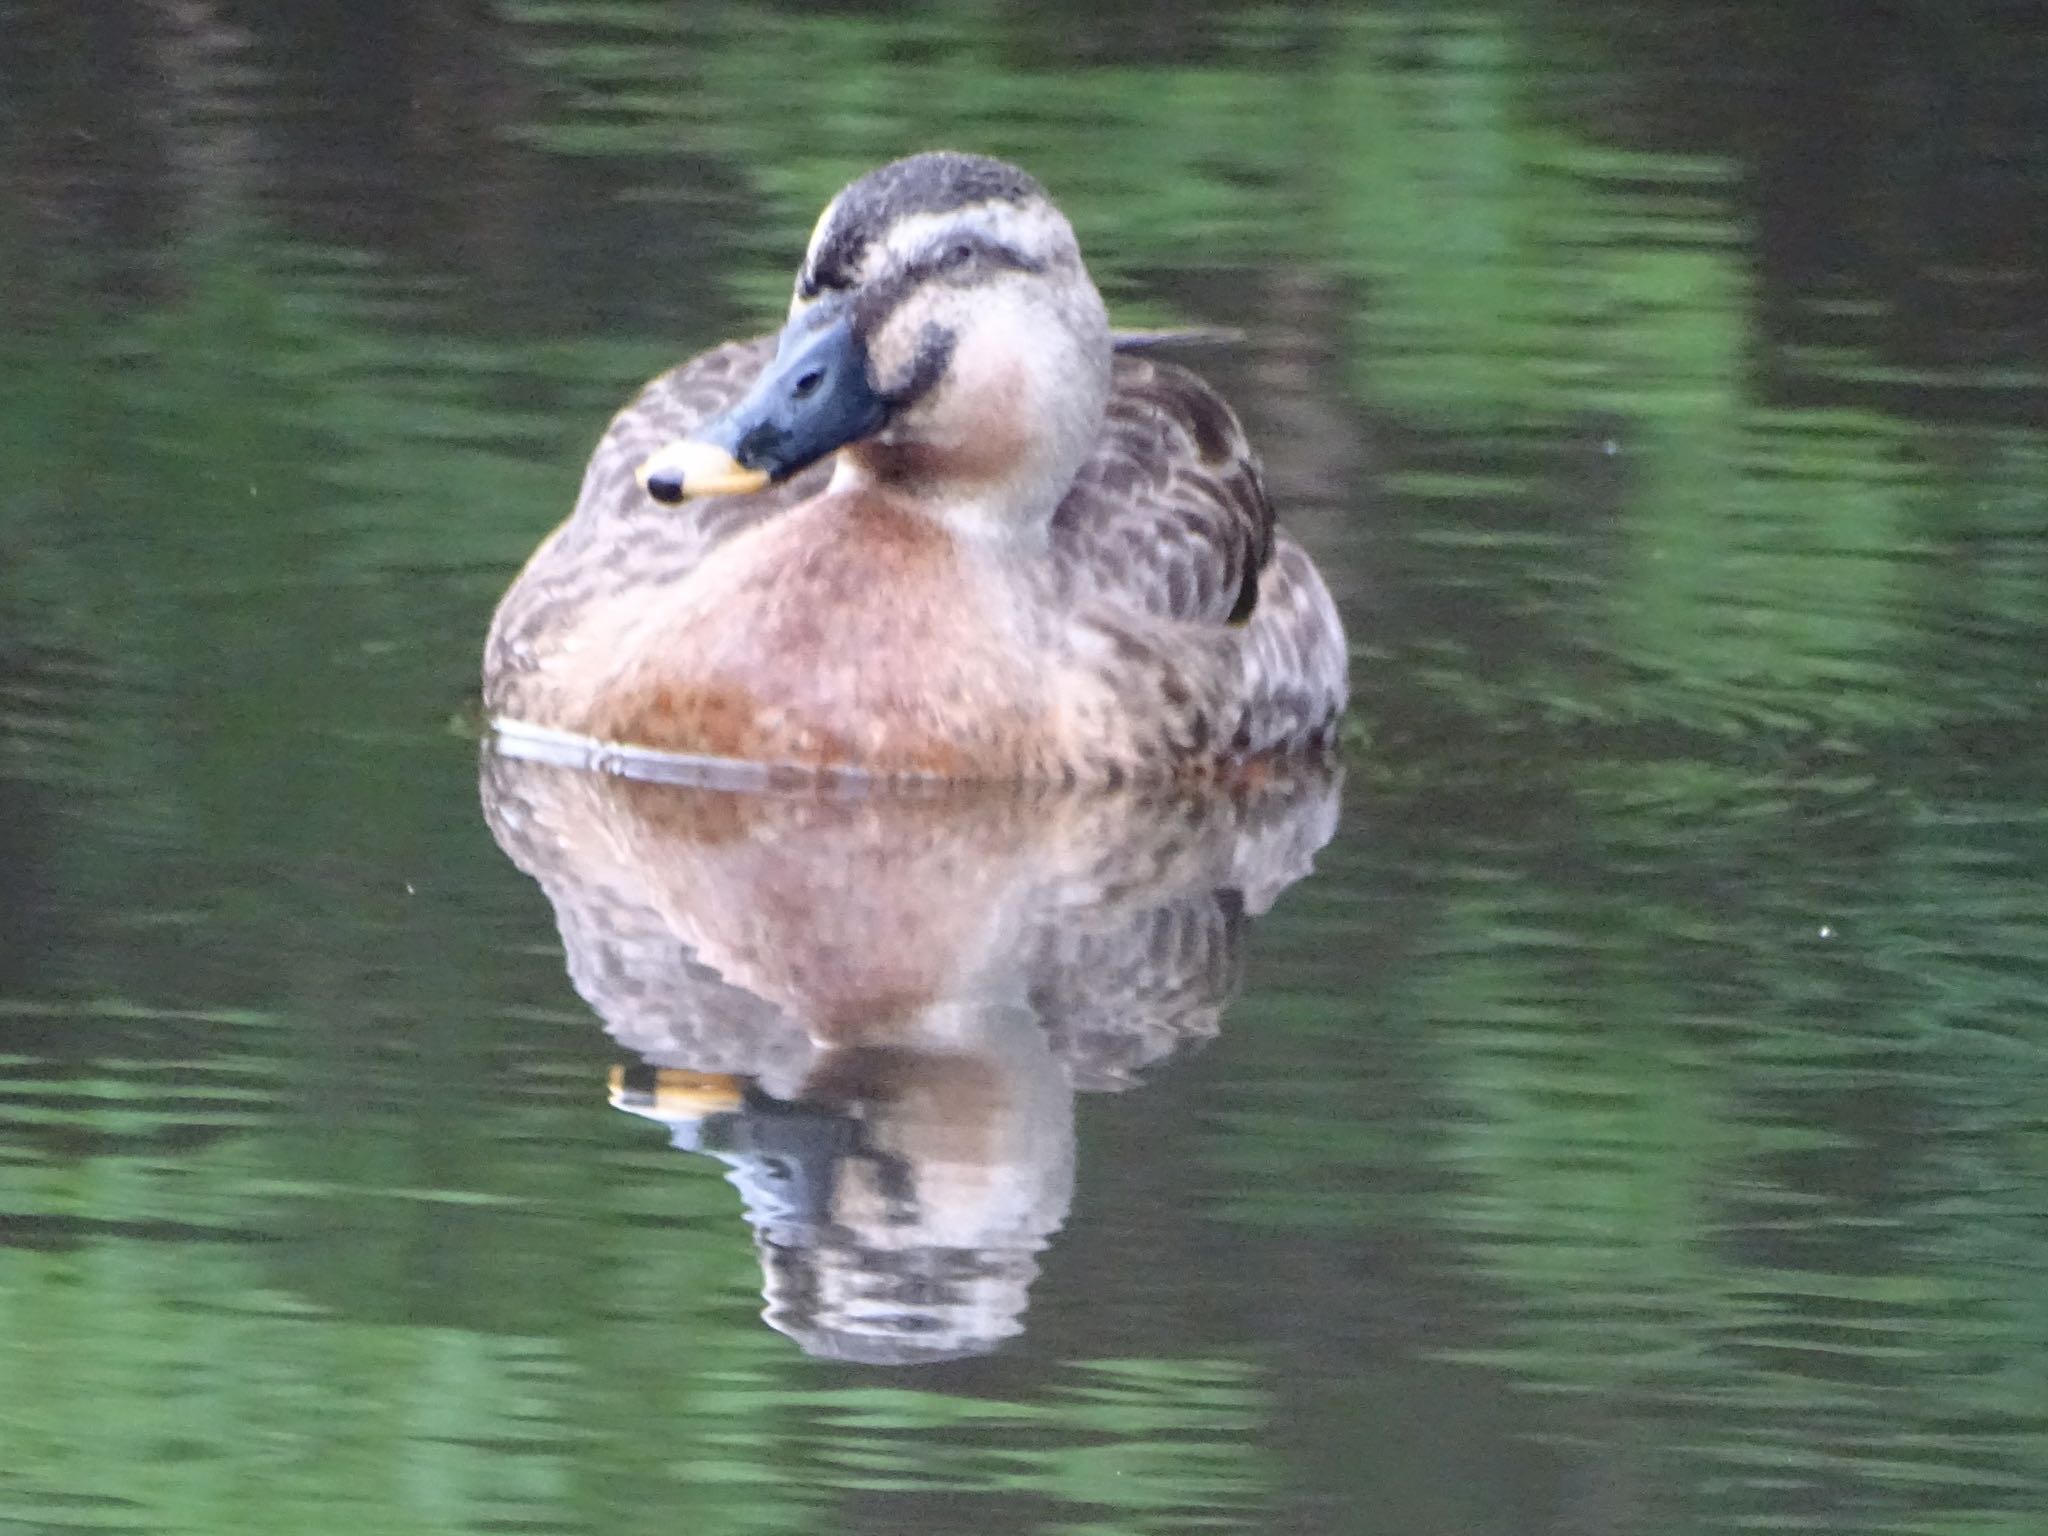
(1558, 1171)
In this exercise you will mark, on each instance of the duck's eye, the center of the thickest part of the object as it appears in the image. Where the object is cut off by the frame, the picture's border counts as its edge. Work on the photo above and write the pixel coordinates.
(956, 256)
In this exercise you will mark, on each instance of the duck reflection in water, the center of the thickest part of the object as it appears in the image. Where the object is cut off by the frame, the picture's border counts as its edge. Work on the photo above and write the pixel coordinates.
(876, 1008)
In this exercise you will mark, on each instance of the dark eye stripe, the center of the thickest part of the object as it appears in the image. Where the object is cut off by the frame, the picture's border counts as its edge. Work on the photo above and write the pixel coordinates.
(959, 251)
(839, 258)
(874, 303)
(812, 281)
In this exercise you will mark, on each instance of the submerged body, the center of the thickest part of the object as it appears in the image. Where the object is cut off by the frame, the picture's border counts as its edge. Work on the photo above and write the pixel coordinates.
(1031, 559)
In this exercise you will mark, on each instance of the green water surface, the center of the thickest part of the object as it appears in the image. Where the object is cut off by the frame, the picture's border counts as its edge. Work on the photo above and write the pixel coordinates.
(1639, 1121)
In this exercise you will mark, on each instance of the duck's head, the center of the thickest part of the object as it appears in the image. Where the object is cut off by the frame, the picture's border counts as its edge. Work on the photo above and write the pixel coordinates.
(944, 334)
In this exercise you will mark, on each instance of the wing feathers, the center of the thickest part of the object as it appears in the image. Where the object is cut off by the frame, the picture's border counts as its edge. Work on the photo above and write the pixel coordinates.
(1170, 516)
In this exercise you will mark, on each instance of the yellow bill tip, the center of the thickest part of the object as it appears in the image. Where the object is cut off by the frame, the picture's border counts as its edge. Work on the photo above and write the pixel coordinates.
(669, 1093)
(691, 468)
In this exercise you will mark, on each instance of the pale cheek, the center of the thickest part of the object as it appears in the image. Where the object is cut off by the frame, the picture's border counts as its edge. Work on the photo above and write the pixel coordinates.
(991, 411)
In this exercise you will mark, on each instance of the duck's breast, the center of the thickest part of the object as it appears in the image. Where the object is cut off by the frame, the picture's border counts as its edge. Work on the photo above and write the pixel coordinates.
(852, 632)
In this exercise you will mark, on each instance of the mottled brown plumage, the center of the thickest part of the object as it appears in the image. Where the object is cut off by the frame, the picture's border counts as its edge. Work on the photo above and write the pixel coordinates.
(961, 600)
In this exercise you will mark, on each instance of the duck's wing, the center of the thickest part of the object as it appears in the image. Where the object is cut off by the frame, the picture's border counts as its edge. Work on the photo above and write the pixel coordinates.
(1170, 515)
(1169, 520)
(669, 407)
(620, 540)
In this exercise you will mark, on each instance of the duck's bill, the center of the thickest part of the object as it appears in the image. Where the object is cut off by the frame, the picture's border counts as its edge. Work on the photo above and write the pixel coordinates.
(693, 467)
(812, 399)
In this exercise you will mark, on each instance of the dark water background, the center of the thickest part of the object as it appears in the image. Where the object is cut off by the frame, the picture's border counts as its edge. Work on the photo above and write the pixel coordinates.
(1640, 1122)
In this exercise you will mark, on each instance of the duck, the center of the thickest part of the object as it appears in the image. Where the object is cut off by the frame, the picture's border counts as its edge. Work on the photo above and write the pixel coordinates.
(947, 524)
